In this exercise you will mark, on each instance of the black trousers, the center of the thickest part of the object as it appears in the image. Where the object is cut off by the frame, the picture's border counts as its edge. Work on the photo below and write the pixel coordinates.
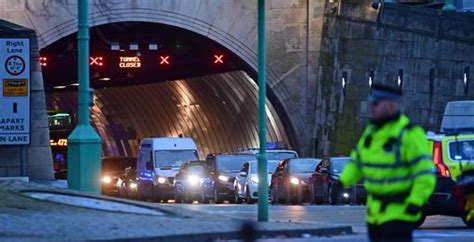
(393, 231)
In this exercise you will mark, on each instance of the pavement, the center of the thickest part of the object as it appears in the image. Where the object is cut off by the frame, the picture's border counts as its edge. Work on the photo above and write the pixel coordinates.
(25, 218)
(436, 228)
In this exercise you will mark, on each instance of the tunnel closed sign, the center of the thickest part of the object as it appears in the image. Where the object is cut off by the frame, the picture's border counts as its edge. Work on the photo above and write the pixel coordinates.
(14, 91)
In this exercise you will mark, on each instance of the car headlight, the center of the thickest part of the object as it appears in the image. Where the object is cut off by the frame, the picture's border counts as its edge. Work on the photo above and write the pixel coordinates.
(161, 180)
(345, 195)
(106, 179)
(194, 180)
(224, 178)
(294, 181)
(254, 179)
(133, 185)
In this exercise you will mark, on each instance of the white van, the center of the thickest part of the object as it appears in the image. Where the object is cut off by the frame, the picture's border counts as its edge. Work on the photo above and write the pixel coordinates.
(158, 161)
(458, 117)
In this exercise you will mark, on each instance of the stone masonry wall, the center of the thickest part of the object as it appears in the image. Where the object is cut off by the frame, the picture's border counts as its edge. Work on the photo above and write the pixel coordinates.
(430, 49)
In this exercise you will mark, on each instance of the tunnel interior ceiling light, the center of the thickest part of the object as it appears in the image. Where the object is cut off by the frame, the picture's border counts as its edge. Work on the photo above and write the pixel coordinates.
(75, 84)
(134, 46)
(105, 79)
(115, 46)
(153, 46)
(60, 87)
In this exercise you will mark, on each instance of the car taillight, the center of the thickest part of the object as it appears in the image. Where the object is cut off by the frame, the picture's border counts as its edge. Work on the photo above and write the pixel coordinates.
(441, 169)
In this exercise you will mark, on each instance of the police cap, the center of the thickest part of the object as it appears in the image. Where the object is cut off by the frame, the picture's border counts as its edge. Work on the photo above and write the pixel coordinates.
(379, 92)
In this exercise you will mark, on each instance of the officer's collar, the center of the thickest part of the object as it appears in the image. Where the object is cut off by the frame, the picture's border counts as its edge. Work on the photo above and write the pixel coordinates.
(382, 122)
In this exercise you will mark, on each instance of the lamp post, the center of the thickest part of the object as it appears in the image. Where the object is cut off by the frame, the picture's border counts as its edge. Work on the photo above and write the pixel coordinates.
(262, 117)
(84, 144)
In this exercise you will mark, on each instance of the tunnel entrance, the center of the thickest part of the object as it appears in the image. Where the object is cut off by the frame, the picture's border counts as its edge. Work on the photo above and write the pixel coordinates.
(154, 80)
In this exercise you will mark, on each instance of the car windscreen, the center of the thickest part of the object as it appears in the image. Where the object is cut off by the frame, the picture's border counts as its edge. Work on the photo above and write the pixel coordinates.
(232, 163)
(280, 155)
(338, 164)
(196, 169)
(271, 167)
(461, 150)
(303, 165)
(174, 158)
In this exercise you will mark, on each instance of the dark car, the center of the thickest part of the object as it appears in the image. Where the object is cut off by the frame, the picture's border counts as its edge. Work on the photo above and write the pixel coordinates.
(112, 168)
(127, 183)
(223, 169)
(324, 184)
(289, 183)
(189, 182)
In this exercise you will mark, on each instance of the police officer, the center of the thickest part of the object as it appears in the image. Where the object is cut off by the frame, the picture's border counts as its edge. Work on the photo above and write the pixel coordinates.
(393, 160)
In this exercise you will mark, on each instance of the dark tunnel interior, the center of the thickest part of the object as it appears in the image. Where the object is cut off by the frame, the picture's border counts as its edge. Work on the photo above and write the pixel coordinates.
(153, 80)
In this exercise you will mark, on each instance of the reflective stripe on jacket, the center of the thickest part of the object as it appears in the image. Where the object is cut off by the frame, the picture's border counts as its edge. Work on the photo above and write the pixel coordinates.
(396, 167)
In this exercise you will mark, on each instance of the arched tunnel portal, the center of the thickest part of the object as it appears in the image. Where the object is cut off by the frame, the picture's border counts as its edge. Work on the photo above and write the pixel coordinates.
(155, 80)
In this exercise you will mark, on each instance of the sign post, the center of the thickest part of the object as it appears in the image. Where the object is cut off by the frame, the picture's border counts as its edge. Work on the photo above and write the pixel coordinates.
(15, 95)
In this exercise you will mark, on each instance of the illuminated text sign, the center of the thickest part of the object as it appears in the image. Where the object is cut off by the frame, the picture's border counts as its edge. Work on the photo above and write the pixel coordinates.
(130, 62)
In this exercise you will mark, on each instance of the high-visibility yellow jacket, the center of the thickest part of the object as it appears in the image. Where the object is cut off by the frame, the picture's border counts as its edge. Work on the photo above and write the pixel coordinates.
(396, 167)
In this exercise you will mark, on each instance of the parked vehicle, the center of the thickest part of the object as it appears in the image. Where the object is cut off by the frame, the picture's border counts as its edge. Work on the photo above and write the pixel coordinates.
(112, 168)
(289, 183)
(246, 183)
(223, 169)
(60, 126)
(159, 159)
(453, 150)
(324, 186)
(189, 182)
(450, 154)
(127, 183)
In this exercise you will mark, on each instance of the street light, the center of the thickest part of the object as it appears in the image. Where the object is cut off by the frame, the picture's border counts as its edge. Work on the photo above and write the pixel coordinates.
(262, 117)
(85, 146)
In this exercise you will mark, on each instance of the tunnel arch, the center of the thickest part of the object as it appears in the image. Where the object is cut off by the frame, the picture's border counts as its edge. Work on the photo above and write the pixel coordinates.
(281, 98)
(240, 97)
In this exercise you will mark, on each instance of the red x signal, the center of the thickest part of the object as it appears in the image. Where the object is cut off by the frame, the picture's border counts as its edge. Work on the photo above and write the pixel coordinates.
(165, 60)
(96, 61)
(43, 61)
(218, 59)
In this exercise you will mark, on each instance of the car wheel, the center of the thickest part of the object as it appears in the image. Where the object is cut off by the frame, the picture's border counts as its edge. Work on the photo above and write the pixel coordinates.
(204, 198)
(177, 198)
(237, 198)
(297, 199)
(273, 196)
(288, 196)
(249, 198)
(188, 198)
(312, 198)
(217, 199)
(420, 221)
(333, 196)
(156, 196)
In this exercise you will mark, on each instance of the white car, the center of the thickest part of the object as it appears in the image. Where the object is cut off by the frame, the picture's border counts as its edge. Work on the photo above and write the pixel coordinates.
(246, 183)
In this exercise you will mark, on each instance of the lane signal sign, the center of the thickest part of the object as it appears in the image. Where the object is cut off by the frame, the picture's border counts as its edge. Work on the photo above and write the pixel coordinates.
(165, 60)
(96, 61)
(43, 61)
(218, 59)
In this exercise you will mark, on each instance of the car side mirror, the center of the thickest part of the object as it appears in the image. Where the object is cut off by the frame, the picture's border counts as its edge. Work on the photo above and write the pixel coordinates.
(149, 166)
(243, 174)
